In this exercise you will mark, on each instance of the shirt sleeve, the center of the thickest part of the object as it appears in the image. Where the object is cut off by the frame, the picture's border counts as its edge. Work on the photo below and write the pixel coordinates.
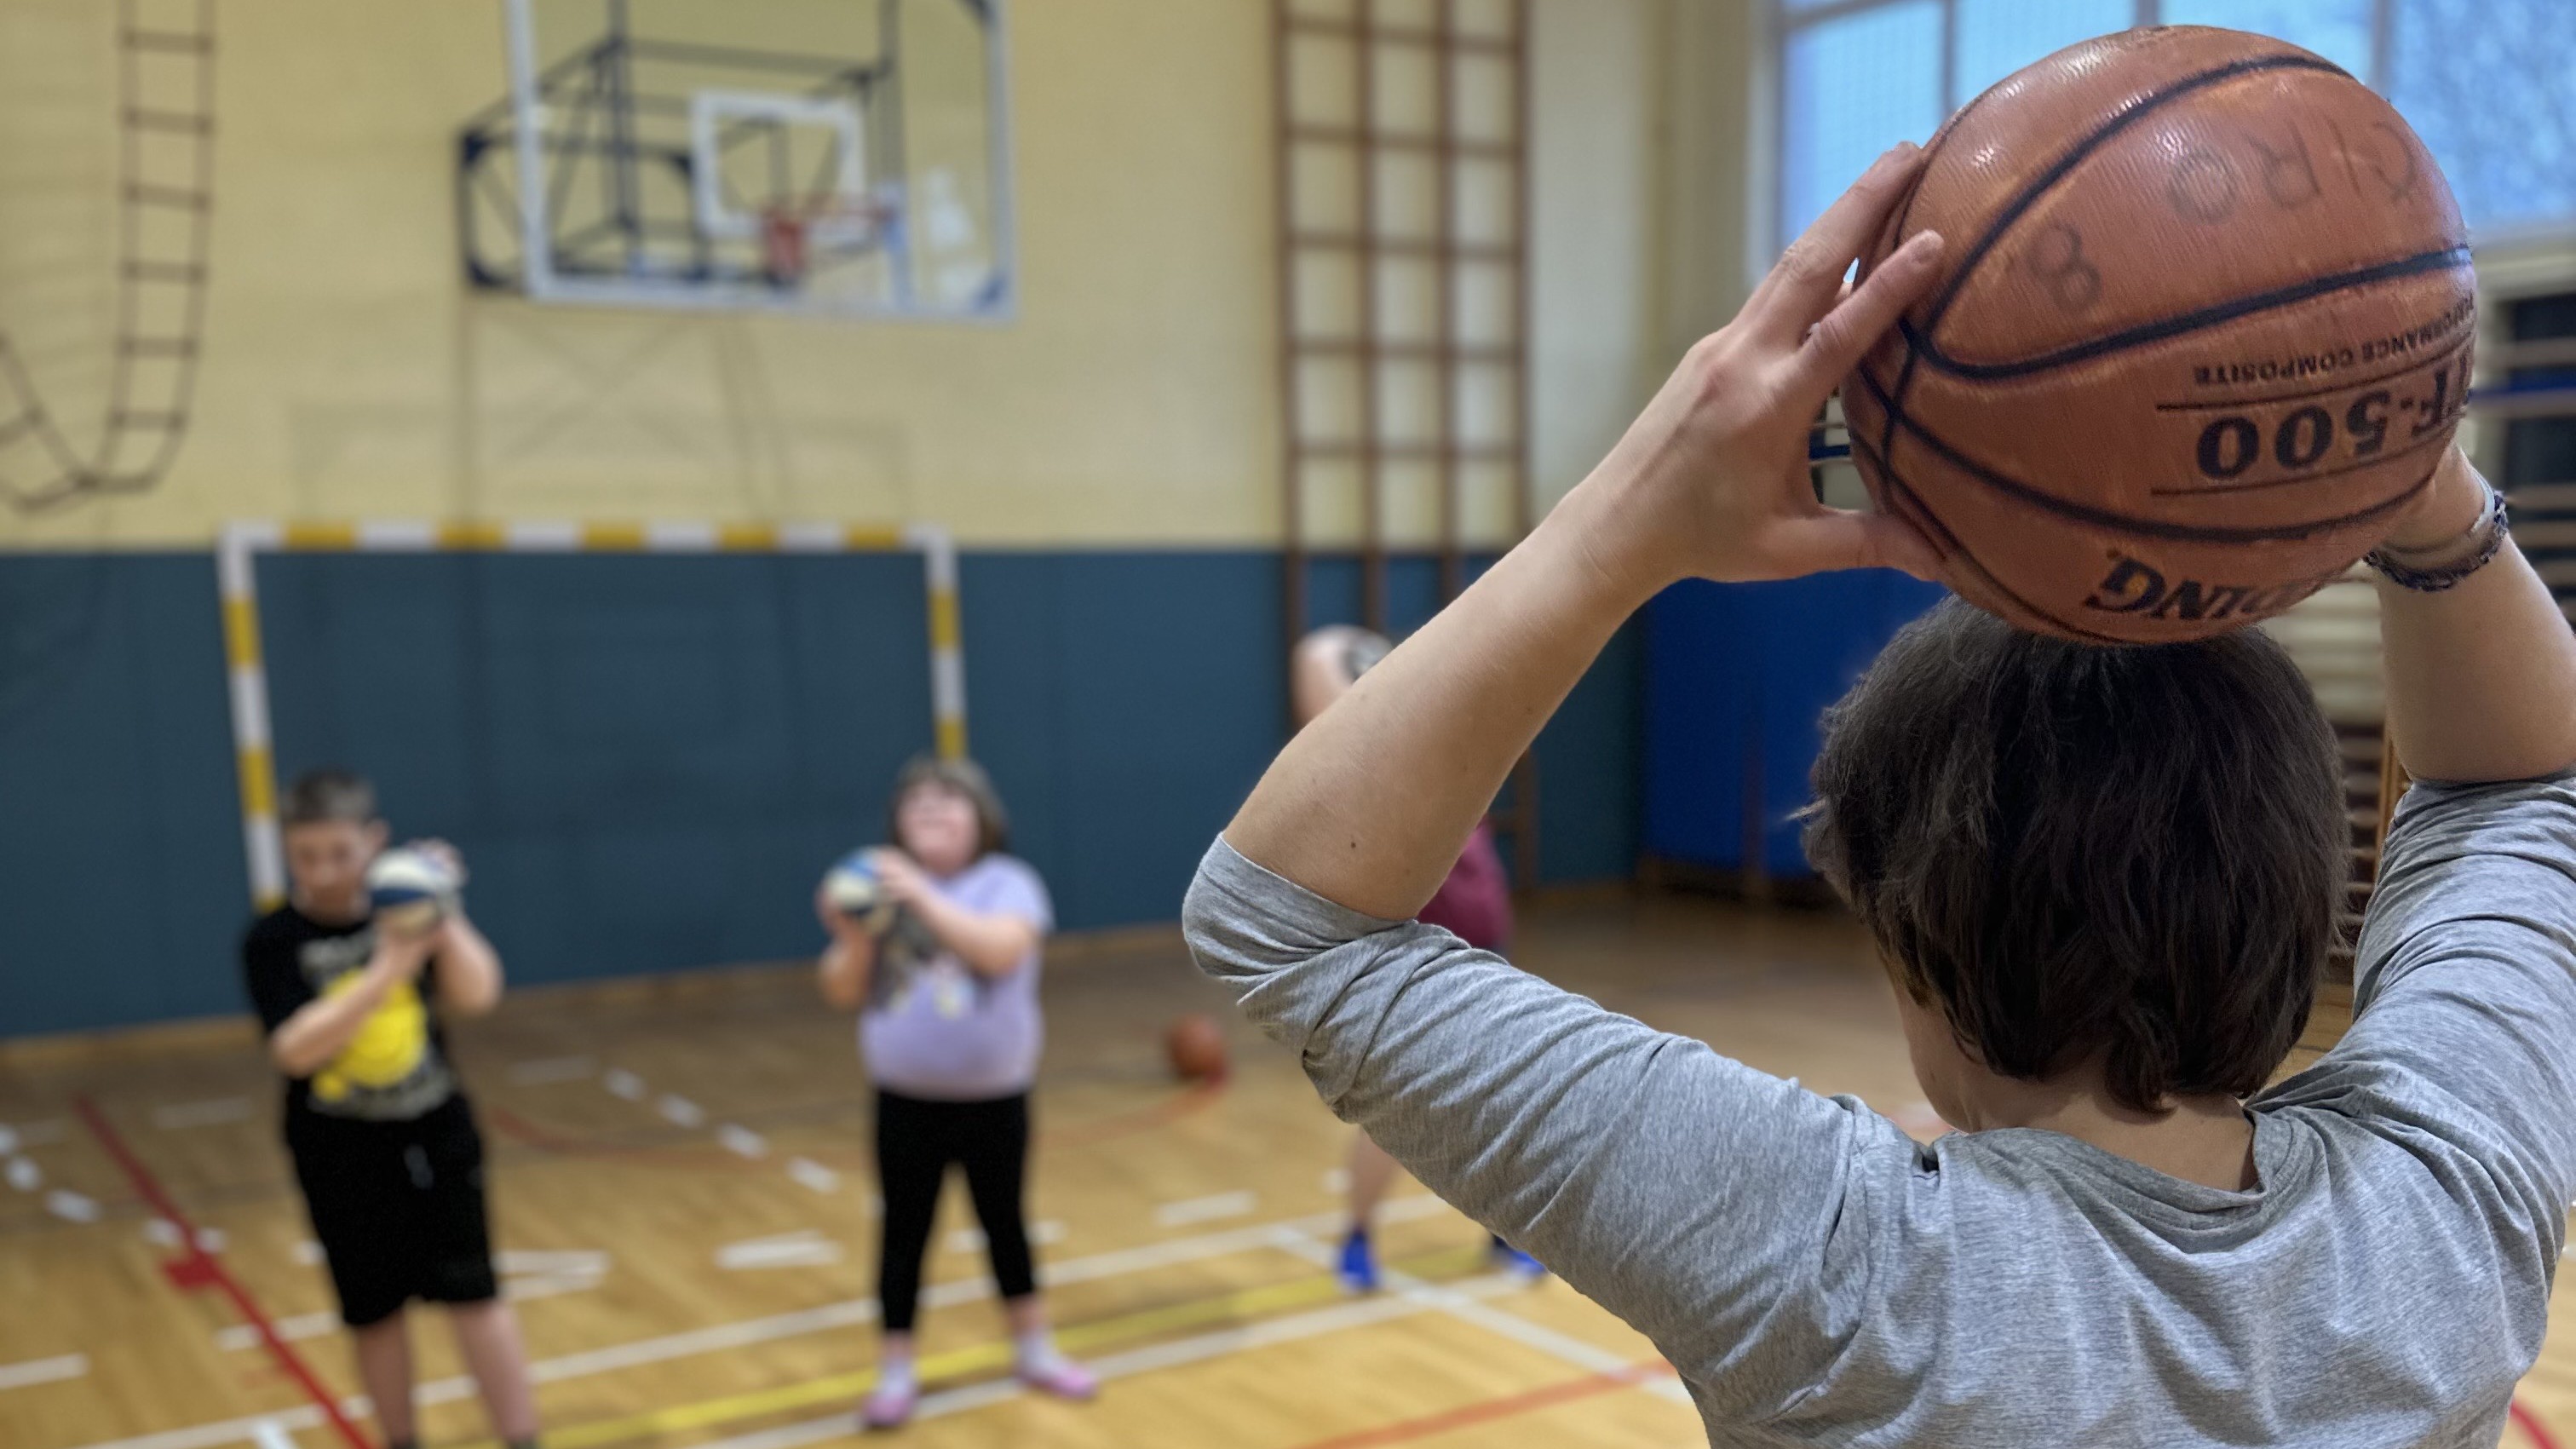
(1693, 1196)
(277, 987)
(1020, 892)
(2464, 1005)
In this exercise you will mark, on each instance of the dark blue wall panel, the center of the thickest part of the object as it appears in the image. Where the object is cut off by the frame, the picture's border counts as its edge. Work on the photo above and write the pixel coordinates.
(648, 759)
(120, 830)
(1737, 679)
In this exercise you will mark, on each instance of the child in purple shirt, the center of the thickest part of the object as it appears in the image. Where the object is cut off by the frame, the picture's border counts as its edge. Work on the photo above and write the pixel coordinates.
(946, 983)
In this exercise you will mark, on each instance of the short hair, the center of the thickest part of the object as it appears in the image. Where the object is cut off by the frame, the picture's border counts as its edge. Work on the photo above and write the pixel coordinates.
(992, 822)
(2136, 855)
(322, 795)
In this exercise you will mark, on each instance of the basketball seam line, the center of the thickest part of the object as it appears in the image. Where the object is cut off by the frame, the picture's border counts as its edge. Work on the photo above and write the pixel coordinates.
(2120, 523)
(2058, 170)
(2447, 259)
(1909, 496)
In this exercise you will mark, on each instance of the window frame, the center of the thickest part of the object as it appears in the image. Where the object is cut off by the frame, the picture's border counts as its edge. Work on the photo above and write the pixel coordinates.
(1770, 202)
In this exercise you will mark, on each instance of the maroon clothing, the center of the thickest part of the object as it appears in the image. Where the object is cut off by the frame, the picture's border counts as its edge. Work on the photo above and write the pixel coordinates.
(1475, 902)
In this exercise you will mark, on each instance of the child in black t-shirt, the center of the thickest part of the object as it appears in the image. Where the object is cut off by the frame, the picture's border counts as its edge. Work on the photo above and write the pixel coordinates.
(383, 1139)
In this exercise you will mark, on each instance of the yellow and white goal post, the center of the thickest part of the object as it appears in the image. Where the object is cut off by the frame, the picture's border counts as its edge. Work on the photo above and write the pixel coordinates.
(240, 545)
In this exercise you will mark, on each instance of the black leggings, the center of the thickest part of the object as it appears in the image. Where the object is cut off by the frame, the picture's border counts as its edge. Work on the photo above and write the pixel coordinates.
(916, 1140)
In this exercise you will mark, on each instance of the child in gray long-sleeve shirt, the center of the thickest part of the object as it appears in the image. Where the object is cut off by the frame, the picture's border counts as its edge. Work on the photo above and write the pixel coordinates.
(2103, 883)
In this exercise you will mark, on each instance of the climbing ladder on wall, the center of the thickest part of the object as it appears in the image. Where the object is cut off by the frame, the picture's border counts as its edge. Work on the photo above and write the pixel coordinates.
(1402, 136)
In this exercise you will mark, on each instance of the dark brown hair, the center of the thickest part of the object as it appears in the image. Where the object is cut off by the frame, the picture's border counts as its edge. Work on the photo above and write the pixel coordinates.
(992, 822)
(320, 795)
(2130, 854)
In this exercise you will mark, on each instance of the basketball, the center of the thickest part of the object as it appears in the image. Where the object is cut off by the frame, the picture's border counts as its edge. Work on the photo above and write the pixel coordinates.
(2200, 334)
(1197, 1048)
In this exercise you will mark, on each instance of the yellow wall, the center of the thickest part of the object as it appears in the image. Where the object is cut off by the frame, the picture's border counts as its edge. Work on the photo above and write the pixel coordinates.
(349, 372)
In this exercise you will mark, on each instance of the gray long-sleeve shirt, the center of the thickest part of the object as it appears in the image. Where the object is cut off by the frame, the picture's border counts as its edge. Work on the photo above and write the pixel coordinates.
(1818, 1278)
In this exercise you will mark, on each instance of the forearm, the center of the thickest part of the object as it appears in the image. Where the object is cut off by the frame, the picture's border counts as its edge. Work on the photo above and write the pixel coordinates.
(2481, 677)
(990, 945)
(844, 970)
(1369, 804)
(469, 970)
(321, 1028)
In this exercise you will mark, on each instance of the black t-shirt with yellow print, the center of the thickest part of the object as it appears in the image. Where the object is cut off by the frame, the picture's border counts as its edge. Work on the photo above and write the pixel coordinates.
(395, 1070)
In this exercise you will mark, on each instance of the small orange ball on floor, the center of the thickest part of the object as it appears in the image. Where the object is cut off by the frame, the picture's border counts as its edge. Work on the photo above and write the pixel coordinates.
(1197, 1047)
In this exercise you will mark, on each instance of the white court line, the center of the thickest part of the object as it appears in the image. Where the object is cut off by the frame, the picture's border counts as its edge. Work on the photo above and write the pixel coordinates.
(813, 1176)
(43, 1370)
(1561, 1346)
(623, 1083)
(741, 1141)
(1199, 1348)
(846, 1314)
(25, 1175)
(1206, 1209)
(302, 1326)
(306, 1252)
(179, 1116)
(805, 1249)
(681, 1112)
(270, 1434)
(552, 1069)
(71, 1206)
(578, 1262)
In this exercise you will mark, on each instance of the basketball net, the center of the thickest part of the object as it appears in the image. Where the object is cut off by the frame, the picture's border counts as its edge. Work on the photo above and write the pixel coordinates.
(782, 246)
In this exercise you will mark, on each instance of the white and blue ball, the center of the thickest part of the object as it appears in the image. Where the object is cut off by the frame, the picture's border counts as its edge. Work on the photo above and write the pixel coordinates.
(411, 890)
(854, 889)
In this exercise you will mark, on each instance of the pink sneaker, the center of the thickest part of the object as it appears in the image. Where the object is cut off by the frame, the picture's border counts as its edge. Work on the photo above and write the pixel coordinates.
(1060, 1376)
(889, 1408)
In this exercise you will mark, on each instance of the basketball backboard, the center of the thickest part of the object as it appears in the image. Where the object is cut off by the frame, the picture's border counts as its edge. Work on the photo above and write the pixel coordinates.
(834, 157)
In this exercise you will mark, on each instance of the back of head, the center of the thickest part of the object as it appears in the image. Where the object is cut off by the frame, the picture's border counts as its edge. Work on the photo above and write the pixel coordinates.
(317, 796)
(2129, 855)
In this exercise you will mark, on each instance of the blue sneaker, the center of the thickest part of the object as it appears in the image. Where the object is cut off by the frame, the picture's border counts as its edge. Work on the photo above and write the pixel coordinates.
(1517, 1263)
(1358, 1268)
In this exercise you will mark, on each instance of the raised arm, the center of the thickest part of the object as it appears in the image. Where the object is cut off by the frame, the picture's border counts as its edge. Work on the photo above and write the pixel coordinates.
(318, 1031)
(469, 970)
(1695, 1197)
(1369, 804)
(2481, 677)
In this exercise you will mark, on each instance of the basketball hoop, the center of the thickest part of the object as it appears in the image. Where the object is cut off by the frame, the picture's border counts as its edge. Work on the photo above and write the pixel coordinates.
(782, 246)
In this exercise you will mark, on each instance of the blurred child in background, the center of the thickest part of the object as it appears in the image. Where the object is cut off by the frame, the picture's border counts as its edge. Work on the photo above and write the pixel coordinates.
(944, 975)
(384, 1141)
(1474, 904)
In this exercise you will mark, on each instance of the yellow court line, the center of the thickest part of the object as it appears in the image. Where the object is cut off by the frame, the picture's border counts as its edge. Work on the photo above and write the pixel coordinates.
(1249, 1303)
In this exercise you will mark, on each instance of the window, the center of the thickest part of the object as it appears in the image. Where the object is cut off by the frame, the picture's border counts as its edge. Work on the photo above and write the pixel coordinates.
(2484, 82)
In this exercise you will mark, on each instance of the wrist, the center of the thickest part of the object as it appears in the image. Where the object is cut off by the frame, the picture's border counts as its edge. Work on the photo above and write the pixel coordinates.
(2451, 507)
(1596, 531)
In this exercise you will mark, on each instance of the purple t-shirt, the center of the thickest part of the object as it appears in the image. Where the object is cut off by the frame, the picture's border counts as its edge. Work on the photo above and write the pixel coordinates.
(933, 1027)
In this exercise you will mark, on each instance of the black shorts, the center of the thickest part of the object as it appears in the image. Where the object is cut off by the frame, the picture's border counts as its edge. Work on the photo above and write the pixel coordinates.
(397, 1207)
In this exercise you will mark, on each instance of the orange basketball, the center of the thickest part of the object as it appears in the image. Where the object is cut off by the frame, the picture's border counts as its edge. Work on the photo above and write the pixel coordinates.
(2200, 334)
(1197, 1047)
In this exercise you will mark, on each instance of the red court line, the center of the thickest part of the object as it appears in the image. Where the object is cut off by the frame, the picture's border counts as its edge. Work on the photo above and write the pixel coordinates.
(1488, 1410)
(2530, 1425)
(205, 1265)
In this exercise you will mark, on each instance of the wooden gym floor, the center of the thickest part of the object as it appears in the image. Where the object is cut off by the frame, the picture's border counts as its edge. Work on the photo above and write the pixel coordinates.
(681, 1194)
